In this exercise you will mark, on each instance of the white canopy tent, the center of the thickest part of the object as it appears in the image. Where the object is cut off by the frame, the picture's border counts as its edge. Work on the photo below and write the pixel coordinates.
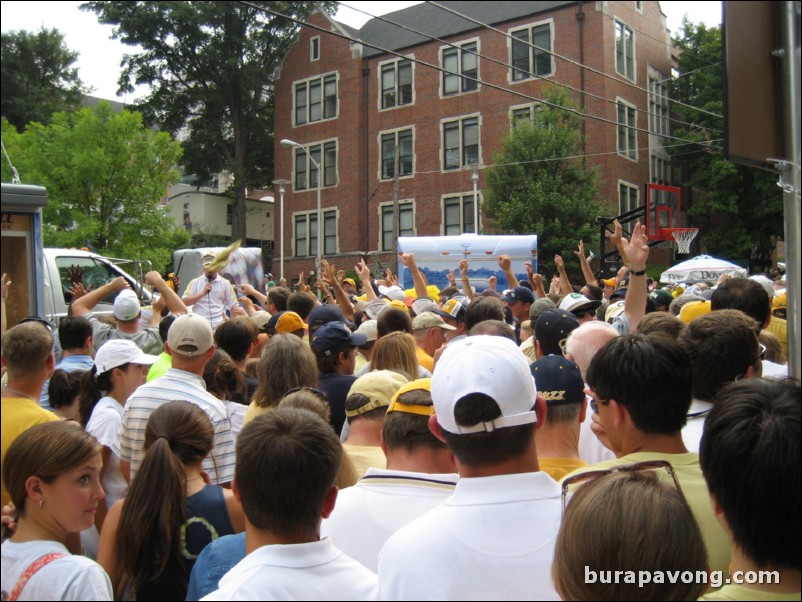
(702, 267)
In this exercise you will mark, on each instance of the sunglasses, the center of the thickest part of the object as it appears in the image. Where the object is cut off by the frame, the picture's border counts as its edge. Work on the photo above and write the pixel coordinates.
(594, 403)
(585, 312)
(762, 355)
(660, 468)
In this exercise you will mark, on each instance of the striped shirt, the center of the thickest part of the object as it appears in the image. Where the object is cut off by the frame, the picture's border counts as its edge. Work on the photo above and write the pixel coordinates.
(176, 385)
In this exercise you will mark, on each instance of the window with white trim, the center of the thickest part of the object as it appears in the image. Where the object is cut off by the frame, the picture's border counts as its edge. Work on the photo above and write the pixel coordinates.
(531, 52)
(658, 103)
(627, 131)
(395, 83)
(458, 214)
(628, 197)
(406, 222)
(460, 62)
(460, 143)
(314, 48)
(624, 50)
(402, 140)
(660, 174)
(315, 99)
(305, 233)
(306, 176)
(523, 113)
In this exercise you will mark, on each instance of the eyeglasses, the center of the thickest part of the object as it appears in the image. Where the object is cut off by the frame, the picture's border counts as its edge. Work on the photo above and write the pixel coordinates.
(762, 355)
(316, 392)
(594, 403)
(657, 467)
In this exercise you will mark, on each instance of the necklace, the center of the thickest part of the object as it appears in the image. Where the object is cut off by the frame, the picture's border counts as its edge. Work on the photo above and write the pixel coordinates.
(17, 393)
(195, 478)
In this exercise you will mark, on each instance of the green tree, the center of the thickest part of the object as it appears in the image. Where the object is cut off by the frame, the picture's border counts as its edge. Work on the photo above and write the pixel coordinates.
(38, 77)
(105, 174)
(210, 66)
(532, 188)
(737, 208)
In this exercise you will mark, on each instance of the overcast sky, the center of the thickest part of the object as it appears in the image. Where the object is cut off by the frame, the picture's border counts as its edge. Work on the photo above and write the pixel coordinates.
(99, 56)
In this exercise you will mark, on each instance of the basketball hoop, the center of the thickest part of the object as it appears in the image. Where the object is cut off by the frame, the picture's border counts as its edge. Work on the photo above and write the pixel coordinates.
(683, 238)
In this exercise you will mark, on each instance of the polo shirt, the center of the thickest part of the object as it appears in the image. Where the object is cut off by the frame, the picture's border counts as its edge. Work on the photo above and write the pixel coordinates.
(176, 385)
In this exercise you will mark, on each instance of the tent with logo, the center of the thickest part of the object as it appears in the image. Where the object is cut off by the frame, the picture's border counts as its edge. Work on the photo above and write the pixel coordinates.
(702, 267)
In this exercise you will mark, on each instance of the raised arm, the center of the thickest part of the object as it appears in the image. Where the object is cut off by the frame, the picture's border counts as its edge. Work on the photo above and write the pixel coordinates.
(329, 277)
(85, 304)
(466, 282)
(617, 238)
(565, 284)
(364, 277)
(637, 250)
(171, 298)
(583, 263)
(408, 259)
(505, 263)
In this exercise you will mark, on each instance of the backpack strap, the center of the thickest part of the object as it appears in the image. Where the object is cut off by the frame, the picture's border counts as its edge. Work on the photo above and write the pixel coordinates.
(37, 564)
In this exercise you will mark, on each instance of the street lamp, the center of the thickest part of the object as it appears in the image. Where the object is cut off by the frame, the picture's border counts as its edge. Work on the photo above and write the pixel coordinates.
(287, 142)
(281, 183)
(475, 178)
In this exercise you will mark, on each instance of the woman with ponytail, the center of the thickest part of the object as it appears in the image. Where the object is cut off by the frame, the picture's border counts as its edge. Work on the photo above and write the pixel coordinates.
(150, 540)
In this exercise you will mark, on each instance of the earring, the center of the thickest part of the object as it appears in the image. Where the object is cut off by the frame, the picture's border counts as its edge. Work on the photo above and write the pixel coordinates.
(41, 502)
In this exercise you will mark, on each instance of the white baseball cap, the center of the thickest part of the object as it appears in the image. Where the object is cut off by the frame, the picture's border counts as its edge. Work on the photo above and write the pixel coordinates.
(493, 366)
(126, 306)
(118, 352)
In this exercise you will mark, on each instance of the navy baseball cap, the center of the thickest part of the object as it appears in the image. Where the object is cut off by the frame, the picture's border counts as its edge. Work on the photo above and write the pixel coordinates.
(334, 337)
(558, 380)
(520, 293)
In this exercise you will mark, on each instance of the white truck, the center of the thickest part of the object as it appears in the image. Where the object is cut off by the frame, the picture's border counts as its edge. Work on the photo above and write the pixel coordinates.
(436, 255)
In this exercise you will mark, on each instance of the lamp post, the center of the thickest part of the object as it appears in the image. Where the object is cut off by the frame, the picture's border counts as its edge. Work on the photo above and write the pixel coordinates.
(475, 178)
(281, 184)
(318, 260)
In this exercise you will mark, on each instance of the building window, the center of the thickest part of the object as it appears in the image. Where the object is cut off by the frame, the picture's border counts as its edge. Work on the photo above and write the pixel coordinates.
(396, 83)
(531, 52)
(229, 214)
(460, 63)
(624, 50)
(316, 99)
(458, 215)
(305, 233)
(627, 132)
(406, 222)
(627, 197)
(402, 140)
(460, 143)
(661, 174)
(639, 6)
(658, 104)
(306, 176)
(523, 113)
(314, 48)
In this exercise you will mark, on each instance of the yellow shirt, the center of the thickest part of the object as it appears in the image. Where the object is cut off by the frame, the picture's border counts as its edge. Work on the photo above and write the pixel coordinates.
(364, 457)
(19, 414)
(742, 592)
(253, 411)
(424, 359)
(557, 468)
(779, 328)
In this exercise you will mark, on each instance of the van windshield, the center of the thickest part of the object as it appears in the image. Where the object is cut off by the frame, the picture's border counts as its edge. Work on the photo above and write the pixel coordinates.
(85, 270)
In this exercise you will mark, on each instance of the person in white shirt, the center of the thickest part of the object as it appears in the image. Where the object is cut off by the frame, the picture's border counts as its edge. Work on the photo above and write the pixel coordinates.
(210, 295)
(494, 538)
(287, 463)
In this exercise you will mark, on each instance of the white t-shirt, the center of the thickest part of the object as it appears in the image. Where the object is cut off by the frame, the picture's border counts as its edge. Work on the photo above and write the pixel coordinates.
(383, 501)
(695, 424)
(67, 578)
(305, 571)
(104, 424)
(492, 540)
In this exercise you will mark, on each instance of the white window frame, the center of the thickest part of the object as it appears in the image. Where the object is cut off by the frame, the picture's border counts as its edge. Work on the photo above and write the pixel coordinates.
(623, 26)
(462, 163)
(630, 187)
(458, 47)
(639, 6)
(308, 82)
(380, 71)
(624, 150)
(314, 44)
(531, 107)
(462, 196)
(327, 212)
(402, 204)
(299, 153)
(530, 73)
(658, 102)
(379, 139)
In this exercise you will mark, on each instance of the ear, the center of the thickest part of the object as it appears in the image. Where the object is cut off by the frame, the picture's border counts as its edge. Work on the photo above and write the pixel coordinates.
(434, 429)
(754, 371)
(541, 409)
(33, 489)
(620, 413)
(583, 410)
(538, 349)
(382, 444)
(329, 503)
(51, 364)
(167, 349)
(235, 489)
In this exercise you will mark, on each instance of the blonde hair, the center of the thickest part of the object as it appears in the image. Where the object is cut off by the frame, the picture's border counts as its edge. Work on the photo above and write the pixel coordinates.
(396, 351)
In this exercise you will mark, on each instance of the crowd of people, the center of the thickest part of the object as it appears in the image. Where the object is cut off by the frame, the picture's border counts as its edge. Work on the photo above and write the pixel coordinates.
(608, 441)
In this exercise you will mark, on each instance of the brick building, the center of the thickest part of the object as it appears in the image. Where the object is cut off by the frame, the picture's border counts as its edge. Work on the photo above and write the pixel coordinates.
(354, 106)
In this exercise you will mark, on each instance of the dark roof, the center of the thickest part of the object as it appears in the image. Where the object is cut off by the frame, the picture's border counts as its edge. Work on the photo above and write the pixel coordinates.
(116, 105)
(433, 21)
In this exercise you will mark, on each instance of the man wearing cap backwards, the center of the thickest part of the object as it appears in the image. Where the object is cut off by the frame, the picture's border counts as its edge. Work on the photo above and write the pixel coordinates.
(560, 383)
(519, 300)
(494, 538)
(190, 343)
(365, 408)
(210, 295)
(127, 310)
(419, 476)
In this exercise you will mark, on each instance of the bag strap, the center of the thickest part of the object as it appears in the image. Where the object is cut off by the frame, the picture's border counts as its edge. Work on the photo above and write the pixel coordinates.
(37, 564)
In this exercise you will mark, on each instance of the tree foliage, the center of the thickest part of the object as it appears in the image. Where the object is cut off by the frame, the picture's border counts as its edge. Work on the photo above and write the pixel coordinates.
(738, 209)
(38, 77)
(538, 186)
(105, 174)
(210, 66)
